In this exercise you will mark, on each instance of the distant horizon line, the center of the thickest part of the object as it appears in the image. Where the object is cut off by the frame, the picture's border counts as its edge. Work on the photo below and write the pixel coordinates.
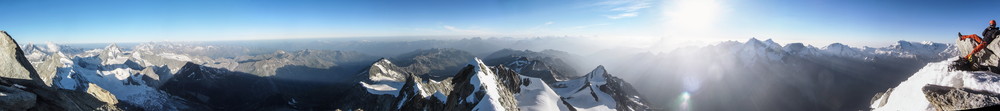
(410, 38)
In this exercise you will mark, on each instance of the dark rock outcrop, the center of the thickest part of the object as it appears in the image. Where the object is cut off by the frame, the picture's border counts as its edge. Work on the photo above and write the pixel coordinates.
(16, 99)
(950, 98)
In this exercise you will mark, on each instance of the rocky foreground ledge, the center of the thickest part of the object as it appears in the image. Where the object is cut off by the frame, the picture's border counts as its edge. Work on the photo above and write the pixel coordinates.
(938, 86)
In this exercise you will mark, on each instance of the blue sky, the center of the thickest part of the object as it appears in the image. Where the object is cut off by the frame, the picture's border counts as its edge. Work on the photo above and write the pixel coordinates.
(863, 22)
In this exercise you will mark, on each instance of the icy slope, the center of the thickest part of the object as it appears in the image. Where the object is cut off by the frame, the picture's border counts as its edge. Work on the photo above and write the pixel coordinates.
(908, 96)
(535, 95)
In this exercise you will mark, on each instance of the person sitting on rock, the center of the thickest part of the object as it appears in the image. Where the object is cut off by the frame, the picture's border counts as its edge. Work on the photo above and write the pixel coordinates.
(989, 34)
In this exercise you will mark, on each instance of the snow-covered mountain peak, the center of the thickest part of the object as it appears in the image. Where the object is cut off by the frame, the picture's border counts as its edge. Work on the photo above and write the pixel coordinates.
(901, 44)
(597, 74)
(30, 47)
(384, 70)
(836, 46)
(113, 49)
(487, 90)
(753, 40)
(771, 44)
(755, 50)
(801, 49)
(384, 78)
(599, 90)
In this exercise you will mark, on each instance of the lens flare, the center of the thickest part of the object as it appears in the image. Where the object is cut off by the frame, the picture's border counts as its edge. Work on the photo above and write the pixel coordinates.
(685, 102)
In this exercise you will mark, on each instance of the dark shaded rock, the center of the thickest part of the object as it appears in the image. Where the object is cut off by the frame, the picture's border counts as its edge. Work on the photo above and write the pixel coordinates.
(16, 99)
(221, 89)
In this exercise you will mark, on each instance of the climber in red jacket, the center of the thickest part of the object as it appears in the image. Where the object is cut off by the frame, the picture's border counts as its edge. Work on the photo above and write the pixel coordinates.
(989, 34)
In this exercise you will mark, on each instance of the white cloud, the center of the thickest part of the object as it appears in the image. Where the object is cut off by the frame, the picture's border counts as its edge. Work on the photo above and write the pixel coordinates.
(632, 7)
(464, 31)
(588, 26)
(452, 28)
(623, 15)
(625, 8)
(541, 26)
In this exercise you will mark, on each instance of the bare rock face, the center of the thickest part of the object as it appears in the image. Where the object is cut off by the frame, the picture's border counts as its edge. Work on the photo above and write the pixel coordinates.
(17, 66)
(950, 98)
(101, 94)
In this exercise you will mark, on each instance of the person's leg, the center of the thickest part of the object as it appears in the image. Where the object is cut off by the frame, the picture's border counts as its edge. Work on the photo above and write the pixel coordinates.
(978, 47)
(979, 44)
(973, 36)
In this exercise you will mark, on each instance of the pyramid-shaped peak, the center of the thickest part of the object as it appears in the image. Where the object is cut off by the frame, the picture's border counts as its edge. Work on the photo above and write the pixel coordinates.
(753, 39)
(597, 73)
(600, 69)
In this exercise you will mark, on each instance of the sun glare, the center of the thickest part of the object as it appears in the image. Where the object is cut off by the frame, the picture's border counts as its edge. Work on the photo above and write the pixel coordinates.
(693, 13)
(688, 19)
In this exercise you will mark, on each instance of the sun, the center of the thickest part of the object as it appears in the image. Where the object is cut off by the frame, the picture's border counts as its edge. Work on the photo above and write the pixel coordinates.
(693, 13)
(691, 20)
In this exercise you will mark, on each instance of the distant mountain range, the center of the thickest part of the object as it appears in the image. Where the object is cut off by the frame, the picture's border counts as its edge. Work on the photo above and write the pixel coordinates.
(448, 75)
